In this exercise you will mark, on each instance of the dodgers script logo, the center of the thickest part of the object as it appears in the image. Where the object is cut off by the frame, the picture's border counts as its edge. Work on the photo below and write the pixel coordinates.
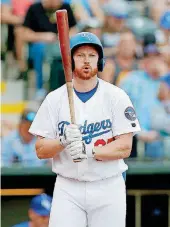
(91, 130)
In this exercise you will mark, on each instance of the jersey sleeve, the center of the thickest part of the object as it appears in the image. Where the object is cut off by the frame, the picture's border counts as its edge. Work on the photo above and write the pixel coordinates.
(124, 116)
(44, 123)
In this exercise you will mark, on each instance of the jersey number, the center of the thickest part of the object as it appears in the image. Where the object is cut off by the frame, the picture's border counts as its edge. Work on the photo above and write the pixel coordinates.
(102, 142)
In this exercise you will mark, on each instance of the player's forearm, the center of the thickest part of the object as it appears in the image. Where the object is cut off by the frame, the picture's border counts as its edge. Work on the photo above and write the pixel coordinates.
(48, 148)
(118, 149)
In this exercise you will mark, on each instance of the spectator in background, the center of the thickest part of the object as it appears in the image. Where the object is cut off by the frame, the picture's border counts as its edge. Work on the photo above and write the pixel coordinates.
(163, 37)
(92, 25)
(157, 8)
(39, 28)
(79, 12)
(166, 79)
(116, 14)
(148, 39)
(39, 212)
(6, 127)
(19, 145)
(165, 53)
(124, 61)
(94, 8)
(165, 26)
(163, 33)
(153, 51)
(144, 30)
(13, 13)
(143, 87)
(161, 120)
(85, 9)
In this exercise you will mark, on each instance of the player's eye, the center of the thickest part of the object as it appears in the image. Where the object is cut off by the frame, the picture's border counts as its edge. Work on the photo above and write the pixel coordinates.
(92, 55)
(80, 55)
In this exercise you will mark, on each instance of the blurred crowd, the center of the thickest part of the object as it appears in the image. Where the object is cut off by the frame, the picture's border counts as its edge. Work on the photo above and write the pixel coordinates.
(136, 40)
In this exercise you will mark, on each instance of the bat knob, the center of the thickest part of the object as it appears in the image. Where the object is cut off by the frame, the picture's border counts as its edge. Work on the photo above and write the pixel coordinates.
(77, 160)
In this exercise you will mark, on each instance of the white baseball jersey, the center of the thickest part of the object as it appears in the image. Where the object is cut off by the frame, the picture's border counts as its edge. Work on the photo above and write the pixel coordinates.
(108, 113)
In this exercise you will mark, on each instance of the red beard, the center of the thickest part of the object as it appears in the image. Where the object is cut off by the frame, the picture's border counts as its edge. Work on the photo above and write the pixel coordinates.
(85, 73)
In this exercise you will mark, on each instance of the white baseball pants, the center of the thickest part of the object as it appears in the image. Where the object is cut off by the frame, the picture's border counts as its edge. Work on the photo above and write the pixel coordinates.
(93, 204)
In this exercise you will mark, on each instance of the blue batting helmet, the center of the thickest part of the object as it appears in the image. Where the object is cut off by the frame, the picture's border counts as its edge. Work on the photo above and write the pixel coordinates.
(87, 38)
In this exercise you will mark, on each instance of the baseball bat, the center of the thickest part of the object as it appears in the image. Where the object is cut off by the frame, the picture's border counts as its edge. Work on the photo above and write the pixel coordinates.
(63, 34)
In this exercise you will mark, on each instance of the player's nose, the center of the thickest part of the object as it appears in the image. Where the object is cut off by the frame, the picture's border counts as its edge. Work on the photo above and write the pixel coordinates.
(86, 59)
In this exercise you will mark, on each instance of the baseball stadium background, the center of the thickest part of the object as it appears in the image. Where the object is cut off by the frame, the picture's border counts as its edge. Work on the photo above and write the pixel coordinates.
(136, 40)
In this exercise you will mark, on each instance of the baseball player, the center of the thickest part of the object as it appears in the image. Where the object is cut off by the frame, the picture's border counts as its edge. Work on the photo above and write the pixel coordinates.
(38, 212)
(90, 192)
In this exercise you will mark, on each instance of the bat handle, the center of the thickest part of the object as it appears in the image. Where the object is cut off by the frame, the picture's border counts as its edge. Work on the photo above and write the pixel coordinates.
(71, 105)
(71, 101)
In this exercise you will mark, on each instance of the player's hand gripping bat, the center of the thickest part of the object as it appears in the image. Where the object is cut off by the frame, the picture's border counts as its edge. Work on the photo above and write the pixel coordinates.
(63, 34)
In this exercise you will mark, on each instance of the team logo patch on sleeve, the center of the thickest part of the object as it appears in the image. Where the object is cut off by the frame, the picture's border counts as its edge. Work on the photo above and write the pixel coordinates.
(130, 113)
